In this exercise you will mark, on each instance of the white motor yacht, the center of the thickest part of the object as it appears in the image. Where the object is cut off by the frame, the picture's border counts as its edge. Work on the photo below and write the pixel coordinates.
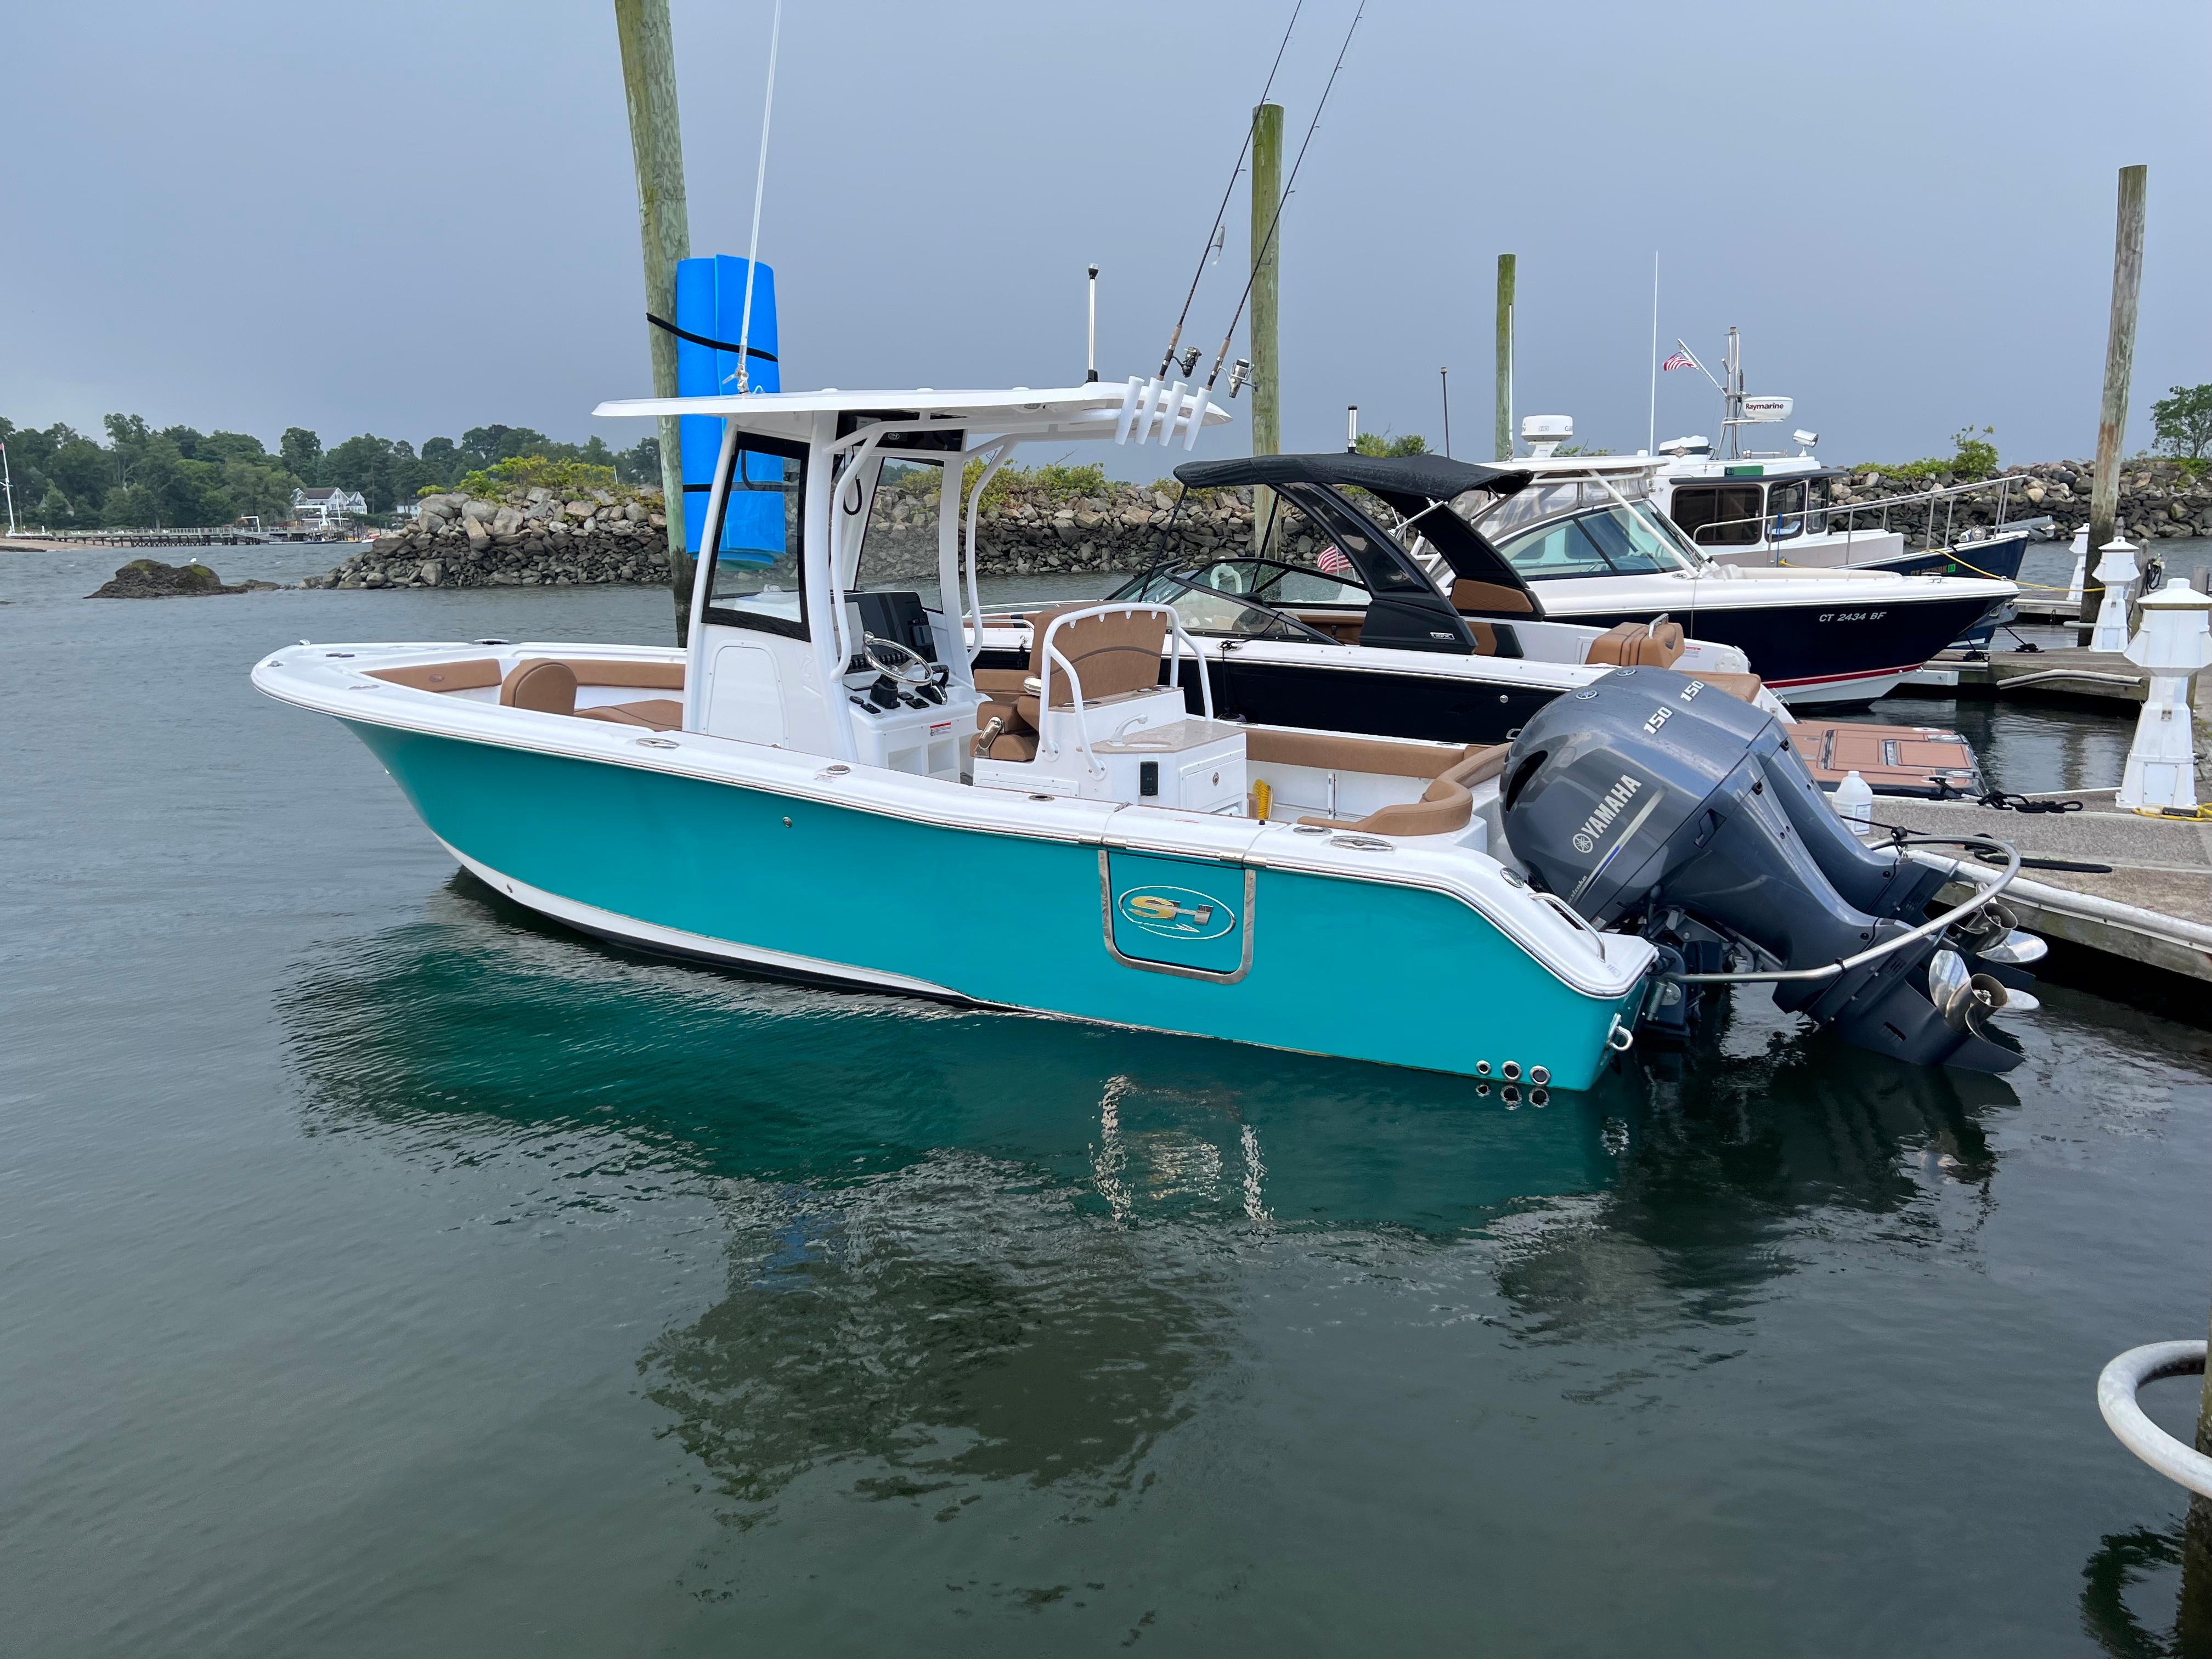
(1586, 537)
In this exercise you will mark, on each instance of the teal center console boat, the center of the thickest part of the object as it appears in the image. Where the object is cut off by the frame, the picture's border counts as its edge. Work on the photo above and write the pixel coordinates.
(817, 786)
(823, 785)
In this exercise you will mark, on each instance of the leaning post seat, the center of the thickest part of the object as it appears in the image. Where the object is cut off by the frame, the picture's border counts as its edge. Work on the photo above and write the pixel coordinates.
(1113, 656)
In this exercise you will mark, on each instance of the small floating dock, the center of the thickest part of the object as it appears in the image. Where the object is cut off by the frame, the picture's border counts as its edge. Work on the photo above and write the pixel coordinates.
(2055, 673)
(2133, 890)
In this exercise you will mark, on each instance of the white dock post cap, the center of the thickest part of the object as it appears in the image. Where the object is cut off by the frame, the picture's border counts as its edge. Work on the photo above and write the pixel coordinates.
(2174, 643)
(2116, 569)
(2116, 561)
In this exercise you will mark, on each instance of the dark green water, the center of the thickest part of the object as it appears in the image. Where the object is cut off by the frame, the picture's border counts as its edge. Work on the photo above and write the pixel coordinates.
(382, 1272)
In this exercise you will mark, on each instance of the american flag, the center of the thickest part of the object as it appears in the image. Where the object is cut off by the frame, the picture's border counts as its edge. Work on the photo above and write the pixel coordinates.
(1681, 360)
(1333, 563)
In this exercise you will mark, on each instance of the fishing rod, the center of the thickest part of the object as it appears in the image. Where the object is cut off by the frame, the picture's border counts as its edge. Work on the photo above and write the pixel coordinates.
(1259, 258)
(1213, 235)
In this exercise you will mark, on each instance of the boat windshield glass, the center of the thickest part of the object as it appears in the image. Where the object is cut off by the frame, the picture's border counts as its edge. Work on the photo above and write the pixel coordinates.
(1213, 599)
(898, 549)
(1612, 541)
(1585, 526)
(756, 582)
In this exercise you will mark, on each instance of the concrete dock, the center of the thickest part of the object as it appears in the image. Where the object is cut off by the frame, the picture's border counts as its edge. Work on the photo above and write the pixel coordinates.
(2133, 889)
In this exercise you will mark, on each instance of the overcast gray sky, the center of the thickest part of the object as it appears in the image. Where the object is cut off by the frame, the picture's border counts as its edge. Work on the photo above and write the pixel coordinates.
(409, 218)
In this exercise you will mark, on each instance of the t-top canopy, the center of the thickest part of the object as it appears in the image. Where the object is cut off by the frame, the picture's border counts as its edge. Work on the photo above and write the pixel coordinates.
(1093, 411)
(1433, 477)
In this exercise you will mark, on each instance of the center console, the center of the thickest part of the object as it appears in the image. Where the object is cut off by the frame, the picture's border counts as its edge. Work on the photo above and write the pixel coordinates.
(920, 727)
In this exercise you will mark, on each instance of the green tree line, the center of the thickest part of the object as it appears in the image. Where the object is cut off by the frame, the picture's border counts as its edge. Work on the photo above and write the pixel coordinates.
(137, 476)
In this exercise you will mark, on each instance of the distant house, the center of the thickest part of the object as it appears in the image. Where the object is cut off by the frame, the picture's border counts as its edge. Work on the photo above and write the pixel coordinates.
(323, 505)
(406, 509)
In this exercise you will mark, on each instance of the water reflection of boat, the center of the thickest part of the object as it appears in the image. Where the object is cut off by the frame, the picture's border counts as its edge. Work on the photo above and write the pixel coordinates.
(960, 1247)
(1724, 1164)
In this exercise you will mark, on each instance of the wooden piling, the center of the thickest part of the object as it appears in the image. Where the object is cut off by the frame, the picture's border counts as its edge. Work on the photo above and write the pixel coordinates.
(2120, 373)
(664, 225)
(1266, 271)
(1506, 263)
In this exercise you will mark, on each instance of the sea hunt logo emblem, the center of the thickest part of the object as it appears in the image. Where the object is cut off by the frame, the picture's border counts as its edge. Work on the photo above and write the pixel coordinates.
(1616, 799)
(1177, 912)
(1659, 718)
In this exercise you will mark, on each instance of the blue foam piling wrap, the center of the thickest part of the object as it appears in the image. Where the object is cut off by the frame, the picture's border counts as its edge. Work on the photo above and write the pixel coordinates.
(710, 301)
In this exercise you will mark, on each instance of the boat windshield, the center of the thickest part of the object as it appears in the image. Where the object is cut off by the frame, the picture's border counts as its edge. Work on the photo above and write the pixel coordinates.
(1585, 527)
(1222, 598)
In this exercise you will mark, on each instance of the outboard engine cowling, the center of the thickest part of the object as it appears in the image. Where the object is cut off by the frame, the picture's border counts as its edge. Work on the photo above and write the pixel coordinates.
(1649, 792)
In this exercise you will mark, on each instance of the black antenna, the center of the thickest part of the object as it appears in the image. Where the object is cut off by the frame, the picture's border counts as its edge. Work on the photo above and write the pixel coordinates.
(1222, 212)
(1260, 254)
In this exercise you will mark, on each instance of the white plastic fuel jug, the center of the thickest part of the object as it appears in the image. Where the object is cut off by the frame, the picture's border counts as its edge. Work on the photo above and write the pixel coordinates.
(1854, 799)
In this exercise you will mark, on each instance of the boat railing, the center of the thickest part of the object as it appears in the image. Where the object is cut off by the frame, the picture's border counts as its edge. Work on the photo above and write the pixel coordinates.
(1917, 516)
(1051, 654)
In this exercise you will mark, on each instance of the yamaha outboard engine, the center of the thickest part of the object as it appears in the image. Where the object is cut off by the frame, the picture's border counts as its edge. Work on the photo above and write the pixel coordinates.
(1656, 800)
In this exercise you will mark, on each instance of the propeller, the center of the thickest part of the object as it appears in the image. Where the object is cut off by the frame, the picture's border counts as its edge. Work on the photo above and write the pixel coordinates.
(1993, 934)
(1965, 999)
(2014, 950)
(1987, 926)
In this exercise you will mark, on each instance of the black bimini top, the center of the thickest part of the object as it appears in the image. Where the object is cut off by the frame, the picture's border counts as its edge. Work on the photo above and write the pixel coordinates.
(1415, 486)
(1434, 477)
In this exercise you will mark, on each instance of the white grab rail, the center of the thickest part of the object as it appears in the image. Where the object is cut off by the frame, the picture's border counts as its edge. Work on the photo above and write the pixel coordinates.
(2115, 1398)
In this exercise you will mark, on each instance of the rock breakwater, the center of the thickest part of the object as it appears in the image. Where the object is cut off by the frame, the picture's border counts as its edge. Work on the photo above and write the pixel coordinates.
(538, 538)
(535, 538)
(526, 538)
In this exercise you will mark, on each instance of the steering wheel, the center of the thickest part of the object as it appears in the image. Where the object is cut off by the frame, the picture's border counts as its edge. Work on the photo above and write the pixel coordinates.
(896, 662)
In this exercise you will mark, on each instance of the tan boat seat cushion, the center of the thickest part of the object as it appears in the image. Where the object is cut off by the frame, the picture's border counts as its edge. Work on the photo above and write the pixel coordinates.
(1445, 806)
(646, 676)
(543, 686)
(1113, 655)
(1746, 686)
(1469, 595)
(1636, 645)
(1331, 751)
(1001, 684)
(443, 676)
(660, 713)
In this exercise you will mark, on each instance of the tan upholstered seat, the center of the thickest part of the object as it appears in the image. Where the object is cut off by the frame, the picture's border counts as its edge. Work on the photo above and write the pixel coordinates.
(1332, 751)
(1638, 645)
(1746, 686)
(1445, 806)
(646, 676)
(1470, 595)
(660, 713)
(1484, 635)
(1113, 655)
(542, 685)
(473, 675)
